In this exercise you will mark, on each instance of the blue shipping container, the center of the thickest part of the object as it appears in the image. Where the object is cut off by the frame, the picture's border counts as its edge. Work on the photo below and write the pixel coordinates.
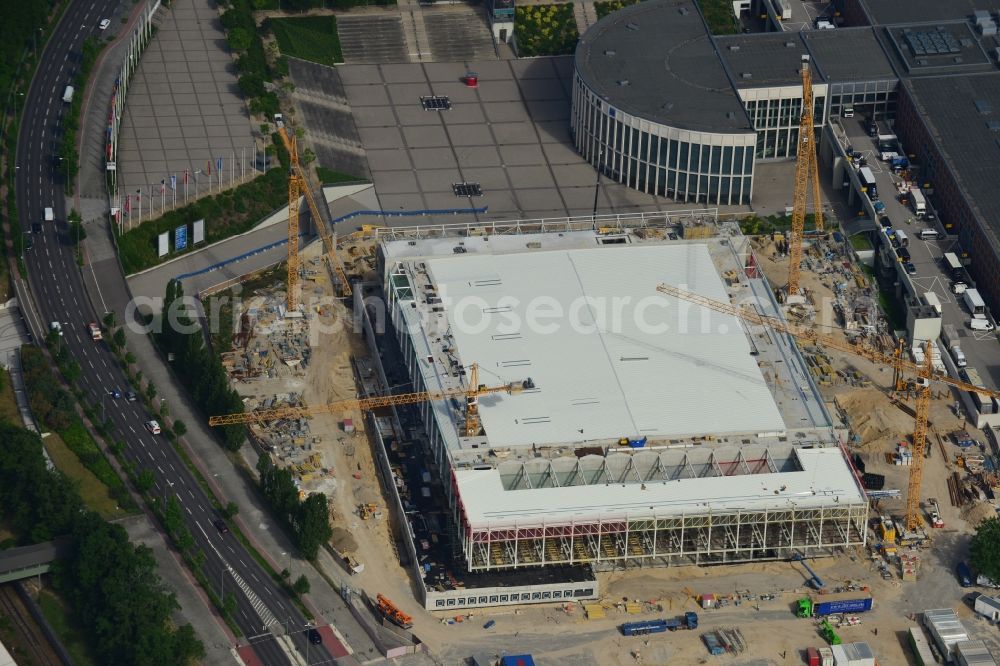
(645, 627)
(518, 660)
(843, 606)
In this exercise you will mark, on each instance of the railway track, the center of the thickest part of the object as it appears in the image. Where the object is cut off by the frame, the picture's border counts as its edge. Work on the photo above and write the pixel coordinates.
(32, 638)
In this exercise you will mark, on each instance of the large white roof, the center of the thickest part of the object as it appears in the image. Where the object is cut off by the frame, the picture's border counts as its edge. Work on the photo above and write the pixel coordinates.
(822, 478)
(687, 372)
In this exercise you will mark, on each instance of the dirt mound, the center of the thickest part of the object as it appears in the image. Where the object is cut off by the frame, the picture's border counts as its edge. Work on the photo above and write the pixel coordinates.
(872, 417)
(977, 512)
(343, 541)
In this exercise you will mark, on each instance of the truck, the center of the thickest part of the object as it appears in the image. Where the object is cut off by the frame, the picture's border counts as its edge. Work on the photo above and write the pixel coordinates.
(933, 301)
(974, 301)
(49, 215)
(949, 336)
(68, 94)
(899, 163)
(888, 145)
(868, 186)
(935, 513)
(95, 331)
(828, 604)
(903, 239)
(687, 621)
(918, 202)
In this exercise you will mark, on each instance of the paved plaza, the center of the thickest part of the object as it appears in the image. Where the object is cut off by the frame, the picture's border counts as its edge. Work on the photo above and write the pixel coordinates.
(184, 109)
(510, 135)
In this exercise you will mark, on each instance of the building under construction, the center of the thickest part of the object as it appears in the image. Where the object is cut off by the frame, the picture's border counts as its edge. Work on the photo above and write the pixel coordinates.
(652, 431)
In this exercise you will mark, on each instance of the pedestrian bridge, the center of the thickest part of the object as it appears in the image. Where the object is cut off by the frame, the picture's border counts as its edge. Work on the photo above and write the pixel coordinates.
(28, 561)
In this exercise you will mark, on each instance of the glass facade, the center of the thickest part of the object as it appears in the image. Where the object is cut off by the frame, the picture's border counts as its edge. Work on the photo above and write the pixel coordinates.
(777, 123)
(696, 167)
(869, 97)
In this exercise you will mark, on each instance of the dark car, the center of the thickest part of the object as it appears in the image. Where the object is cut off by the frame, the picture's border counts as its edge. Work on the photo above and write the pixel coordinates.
(314, 636)
(964, 574)
(904, 254)
(131, 396)
(220, 525)
(36, 227)
(910, 268)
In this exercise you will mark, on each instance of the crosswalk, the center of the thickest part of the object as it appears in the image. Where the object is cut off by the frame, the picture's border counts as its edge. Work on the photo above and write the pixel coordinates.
(261, 609)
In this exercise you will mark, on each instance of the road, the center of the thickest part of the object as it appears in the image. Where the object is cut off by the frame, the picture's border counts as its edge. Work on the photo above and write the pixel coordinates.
(262, 607)
(980, 347)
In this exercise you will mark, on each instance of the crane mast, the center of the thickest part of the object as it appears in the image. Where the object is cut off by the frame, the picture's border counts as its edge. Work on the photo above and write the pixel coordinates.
(806, 170)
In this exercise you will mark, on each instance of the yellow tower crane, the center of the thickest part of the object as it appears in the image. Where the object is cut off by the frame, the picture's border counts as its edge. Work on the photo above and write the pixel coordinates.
(810, 335)
(472, 393)
(297, 184)
(806, 169)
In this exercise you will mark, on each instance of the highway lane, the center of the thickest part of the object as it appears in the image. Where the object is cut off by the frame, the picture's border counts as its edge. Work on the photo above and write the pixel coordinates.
(261, 605)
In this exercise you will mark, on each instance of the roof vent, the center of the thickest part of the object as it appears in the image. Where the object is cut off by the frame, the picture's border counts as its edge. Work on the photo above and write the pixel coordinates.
(982, 106)
(667, 106)
(958, 60)
(746, 75)
(789, 45)
(609, 52)
(623, 82)
(993, 125)
(730, 115)
(632, 25)
(684, 11)
(734, 47)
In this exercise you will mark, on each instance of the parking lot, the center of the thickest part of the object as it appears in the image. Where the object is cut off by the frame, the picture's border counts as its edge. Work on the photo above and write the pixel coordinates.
(980, 347)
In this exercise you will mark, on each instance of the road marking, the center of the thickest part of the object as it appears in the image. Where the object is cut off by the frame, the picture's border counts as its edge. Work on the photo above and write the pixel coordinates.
(161, 469)
(132, 428)
(150, 456)
(189, 511)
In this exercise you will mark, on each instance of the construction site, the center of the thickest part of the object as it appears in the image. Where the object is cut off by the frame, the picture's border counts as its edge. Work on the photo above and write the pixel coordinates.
(537, 412)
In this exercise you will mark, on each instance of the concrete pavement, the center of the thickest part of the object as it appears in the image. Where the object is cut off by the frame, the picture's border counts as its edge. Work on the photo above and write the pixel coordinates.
(195, 607)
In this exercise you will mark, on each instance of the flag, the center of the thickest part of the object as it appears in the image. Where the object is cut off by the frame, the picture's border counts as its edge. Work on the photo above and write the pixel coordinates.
(218, 164)
(163, 186)
(173, 182)
(128, 203)
(208, 167)
(185, 176)
(138, 196)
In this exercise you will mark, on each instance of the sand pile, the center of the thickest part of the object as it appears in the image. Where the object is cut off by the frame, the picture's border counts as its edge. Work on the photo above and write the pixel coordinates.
(977, 512)
(871, 416)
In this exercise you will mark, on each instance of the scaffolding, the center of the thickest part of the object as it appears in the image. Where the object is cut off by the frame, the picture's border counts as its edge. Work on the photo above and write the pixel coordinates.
(693, 538)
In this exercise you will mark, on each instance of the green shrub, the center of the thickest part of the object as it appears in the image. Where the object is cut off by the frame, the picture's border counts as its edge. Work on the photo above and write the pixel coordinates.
(719, 16)
(331, 177)
(605, 7)
(312, 38)
(545, 30)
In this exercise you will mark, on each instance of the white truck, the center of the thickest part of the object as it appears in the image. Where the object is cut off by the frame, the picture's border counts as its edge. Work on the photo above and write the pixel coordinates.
(949, 336)
(933, 301)
(974, 302)
(918, 202)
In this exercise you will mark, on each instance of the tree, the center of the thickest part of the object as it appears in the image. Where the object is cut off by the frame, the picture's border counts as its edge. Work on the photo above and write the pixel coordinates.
(119, 338)
(232, 509)
(985, 548)
(145, 481)
(301, 585)
(110, 320)
(313, 525)
(129, 358)
(179, 428)
(150, 391)
(239, 39)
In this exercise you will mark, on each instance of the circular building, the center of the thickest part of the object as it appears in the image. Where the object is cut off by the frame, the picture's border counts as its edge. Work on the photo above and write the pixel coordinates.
(653, 106)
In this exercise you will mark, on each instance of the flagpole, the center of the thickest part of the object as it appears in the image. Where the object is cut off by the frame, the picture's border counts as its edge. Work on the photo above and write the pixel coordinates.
(243, 163)
(232, 166)
(139, 193)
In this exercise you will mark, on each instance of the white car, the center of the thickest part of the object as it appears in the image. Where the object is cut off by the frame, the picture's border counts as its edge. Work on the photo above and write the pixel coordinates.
(57, 327)
(104, 24)
(153, 427)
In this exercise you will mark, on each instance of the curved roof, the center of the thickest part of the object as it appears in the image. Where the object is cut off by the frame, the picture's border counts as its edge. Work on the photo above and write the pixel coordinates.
(656, 60)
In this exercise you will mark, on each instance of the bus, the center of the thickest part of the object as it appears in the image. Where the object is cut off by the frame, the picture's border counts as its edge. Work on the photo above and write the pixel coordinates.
(867, 179)
(953, 265)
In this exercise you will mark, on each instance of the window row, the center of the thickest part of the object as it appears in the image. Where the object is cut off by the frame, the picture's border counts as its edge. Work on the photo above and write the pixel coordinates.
(514, 597)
